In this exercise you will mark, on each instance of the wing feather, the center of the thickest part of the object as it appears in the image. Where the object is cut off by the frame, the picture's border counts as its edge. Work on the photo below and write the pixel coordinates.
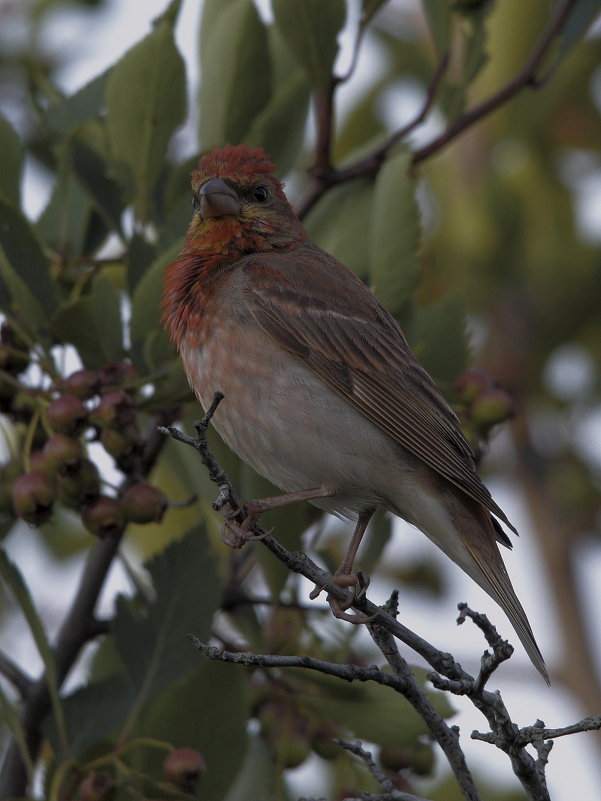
(327, 317)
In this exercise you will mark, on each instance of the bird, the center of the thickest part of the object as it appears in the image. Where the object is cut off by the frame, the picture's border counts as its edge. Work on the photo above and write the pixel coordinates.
(322, 393)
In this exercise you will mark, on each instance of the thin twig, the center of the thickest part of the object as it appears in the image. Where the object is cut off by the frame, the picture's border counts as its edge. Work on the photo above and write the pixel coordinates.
(20, 681)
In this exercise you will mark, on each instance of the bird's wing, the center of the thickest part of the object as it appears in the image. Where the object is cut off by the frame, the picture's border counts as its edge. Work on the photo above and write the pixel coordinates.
(315, 308)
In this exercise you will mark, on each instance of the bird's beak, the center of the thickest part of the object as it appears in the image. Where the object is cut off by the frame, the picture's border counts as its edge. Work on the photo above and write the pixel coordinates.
(218, 199)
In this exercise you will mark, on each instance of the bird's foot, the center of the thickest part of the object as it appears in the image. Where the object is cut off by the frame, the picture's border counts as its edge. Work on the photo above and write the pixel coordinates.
(237, 534)
(359, 583)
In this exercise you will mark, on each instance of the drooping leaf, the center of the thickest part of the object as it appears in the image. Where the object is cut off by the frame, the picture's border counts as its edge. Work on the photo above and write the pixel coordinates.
(85, 104)
(152, 645)
(217, 730)
(146, 102)
(12, 163)
(341, 223)
(92, 172)
(26, 269)
(256, 780)
(578, 23)
(438, 337)
(93, 324)
(438, 16)
(395, 235)
(311, 28)
(15, 726)
(12, 578)
(236, 71)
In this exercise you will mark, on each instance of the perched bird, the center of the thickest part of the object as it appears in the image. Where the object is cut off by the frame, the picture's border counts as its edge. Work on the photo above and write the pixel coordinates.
(323, 395)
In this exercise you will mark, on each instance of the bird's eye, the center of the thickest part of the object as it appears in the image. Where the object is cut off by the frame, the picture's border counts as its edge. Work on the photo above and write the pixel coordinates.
(260, 194)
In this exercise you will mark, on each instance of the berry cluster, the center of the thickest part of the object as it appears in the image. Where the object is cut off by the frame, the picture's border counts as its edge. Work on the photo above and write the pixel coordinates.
(482, 406)
(56, 426)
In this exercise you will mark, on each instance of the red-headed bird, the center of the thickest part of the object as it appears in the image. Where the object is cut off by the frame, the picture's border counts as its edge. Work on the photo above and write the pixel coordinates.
(323, 395)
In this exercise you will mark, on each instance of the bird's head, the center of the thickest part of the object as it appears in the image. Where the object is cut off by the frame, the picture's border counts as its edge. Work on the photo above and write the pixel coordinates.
(240, 205)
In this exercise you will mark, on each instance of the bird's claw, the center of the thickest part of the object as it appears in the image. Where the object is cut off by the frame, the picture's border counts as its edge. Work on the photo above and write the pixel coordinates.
(360, 583)
(243, 532)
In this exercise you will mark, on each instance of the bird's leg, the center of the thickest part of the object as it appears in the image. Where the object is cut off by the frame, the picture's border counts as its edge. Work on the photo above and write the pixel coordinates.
(345, 577)
(252, 511)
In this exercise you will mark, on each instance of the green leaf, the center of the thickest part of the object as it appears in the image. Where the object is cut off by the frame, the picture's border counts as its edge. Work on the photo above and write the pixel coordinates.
(13, 579)
(438, 337)
(15, 726)
(65, 223)
(93, 324)
(395, 235)
(257, 781)
(146, 102)
(340, 223)
(206, 710)
(373, 712)
(73, 111)
(581, 18)
(92, 172)
(146, 300)
(438, 16)
(12, 163)
(236, 71)
(153, 645)
(25, 269)
(311, 27)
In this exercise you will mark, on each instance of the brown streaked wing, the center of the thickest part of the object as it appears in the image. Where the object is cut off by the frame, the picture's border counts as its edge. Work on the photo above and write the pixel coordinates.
(357, 348)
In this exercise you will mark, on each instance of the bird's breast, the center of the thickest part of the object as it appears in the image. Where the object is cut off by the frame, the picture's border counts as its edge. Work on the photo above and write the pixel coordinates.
(284, 421)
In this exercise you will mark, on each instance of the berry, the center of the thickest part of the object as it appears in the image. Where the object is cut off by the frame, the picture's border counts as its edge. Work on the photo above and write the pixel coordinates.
(184, 768)
(60, 452)
(470, 384)
(96, 786)
(83, 384)
(104, 518)
(143, 503)
(67, 414)
(491, 407)
(33, 497)
(79, 485)
(115, 409)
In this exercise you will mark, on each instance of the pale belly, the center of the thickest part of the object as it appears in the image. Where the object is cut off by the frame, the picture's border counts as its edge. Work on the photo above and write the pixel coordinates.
(283, 421)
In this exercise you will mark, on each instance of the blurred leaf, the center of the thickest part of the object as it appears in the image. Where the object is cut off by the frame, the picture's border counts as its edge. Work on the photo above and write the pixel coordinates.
(311, 29)
(582, 16)
(349, 242)
(371, 711)
(152, 644)
(236, 71)
(12, 578)
(140, 255)
(65, 223)
(25, 270)
(146, 300)
(257, 780)
(279, 128)
(439, 17)
(12, 719)
(93, 324)
(438, 337)
(395, 237)
(146, 102)
(71, 112)
(92, 172)
(93, 711)
(218, 730)
(12, 163)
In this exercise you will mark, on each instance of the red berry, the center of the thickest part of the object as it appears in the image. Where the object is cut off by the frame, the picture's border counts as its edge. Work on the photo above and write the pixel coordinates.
(33, 497)
(184, 767)
(82, 383)
(104, 517)
(67, 414)
(60, 452)
(471, 383)
(116, 409)
(143, 503)
(115, 374)
(79, 485)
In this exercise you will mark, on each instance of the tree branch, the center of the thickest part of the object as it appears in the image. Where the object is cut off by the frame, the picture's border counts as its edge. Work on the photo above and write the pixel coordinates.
(324, 175)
